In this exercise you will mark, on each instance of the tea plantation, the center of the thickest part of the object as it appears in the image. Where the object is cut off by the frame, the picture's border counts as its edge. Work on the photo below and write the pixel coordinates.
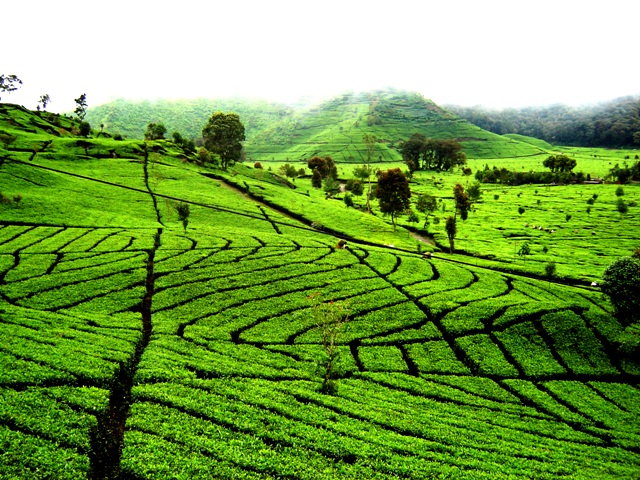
(135, 348)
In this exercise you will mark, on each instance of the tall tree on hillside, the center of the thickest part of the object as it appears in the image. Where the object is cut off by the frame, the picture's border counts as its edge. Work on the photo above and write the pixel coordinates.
(81, 106)
(393, 193)
(370, 143)
(223, 135)
(155, 131)
(9, 83)
(44, 101)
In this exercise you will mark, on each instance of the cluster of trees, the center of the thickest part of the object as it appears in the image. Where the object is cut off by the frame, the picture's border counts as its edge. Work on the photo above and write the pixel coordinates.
(515, 177)
(610, 124)
(559, 163)
(422, 153)
(322, 169)
(625, 173)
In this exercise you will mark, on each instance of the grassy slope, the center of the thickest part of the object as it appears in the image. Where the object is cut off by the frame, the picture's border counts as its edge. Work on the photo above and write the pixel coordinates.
(448, 369)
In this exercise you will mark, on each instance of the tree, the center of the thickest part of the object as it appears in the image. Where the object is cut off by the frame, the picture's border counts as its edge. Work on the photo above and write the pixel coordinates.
(9, 83)
(223, 135)
(421, 153)
(156, 131)
(329, 318)
(316, 179)
(622, 206)
(559, 163)
(426, 205)
(474, 191)
(451, 229)
(370, 142)
(44, 101)
(393, 193)
(183, 214)
(463, 204)
(621, 283)
(85, 128)
(81, 106)
(550, 270)
(525, 249)
(288, 170)
(325, 167)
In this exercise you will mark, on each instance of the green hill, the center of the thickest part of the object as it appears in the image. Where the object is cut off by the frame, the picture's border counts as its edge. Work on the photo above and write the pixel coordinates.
(335, 127)
(135, 347)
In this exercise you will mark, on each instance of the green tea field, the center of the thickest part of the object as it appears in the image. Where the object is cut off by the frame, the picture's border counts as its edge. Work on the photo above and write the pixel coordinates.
(134, 347)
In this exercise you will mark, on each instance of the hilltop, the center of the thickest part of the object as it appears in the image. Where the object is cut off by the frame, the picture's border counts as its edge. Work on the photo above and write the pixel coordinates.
(335, 127)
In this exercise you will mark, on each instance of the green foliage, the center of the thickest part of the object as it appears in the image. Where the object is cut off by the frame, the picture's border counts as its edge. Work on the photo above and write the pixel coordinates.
(451, 229)
(183, 211)
(622, 206)
(475, 192)
(223, 135)
(156, 131)
(85, 129)
(610, 124)
(550, 270)
(393, 193)
(621, 283)
(422, 153)
(81, 106)
(559, 163)
(9, 83)
(619, 192)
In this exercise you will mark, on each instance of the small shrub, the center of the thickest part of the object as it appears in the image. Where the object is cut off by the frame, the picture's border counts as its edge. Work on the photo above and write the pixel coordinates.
(619, 192)
(257, 165)
(521, 210)
(550, 269)
(496, 197)
(567, 217)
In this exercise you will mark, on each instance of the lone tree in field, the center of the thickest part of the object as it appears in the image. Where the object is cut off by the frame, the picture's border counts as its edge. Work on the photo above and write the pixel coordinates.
(9, 83)
(621, 282)
(329, 317)
(393, 193)
(451, 228)
(426, 205)
(223, 135)
(81, 106)
(183, 214)
(463, 205)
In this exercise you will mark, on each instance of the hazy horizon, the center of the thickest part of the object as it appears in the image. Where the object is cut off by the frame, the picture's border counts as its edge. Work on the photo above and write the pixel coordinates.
(494, 54)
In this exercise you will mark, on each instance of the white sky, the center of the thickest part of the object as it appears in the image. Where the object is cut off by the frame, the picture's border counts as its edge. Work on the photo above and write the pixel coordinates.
(489, 52)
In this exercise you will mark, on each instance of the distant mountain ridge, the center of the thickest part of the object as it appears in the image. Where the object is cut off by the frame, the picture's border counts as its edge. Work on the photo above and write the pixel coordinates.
(335, 127)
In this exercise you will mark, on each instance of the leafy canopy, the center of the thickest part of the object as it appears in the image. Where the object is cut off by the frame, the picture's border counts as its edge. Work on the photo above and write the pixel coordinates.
(223, 135)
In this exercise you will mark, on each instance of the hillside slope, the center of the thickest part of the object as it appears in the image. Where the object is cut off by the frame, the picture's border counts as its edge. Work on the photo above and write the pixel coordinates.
(136, 347)
(335, 127)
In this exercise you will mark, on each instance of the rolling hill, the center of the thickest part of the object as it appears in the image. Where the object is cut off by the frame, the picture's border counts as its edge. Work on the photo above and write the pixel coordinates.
(335, 127)
(136, 347)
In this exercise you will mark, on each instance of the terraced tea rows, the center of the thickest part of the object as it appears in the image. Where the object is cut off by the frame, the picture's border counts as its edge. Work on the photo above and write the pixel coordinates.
(209, 351)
